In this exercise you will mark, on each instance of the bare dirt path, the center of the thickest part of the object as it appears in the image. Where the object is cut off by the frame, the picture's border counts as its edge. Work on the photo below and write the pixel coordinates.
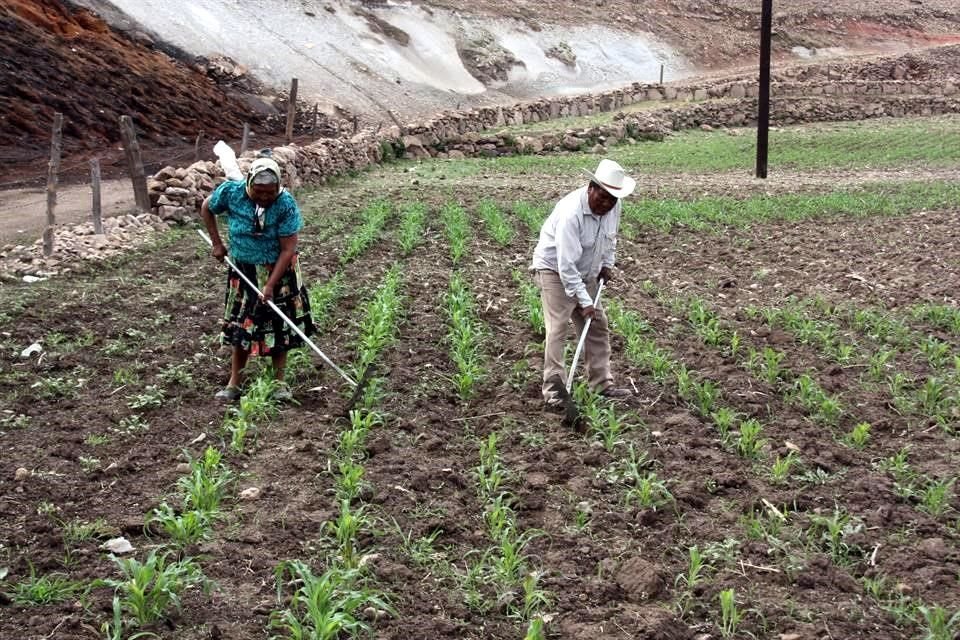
(23, 212)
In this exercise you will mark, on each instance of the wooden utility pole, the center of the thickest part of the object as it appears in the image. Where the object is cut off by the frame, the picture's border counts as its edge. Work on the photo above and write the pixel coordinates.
(53, 176)
(135, 164)
(291, 109)
(661, 74)
(245, 138)
(95, 187)
(763, 115)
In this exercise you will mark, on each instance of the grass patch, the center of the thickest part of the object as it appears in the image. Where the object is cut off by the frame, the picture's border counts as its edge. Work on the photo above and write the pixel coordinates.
(720, 211)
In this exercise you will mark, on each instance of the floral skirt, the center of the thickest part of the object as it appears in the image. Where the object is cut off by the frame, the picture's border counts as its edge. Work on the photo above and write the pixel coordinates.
(252, 325)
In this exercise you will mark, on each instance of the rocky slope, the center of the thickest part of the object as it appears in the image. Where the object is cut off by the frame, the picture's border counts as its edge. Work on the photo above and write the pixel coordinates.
(372, 56)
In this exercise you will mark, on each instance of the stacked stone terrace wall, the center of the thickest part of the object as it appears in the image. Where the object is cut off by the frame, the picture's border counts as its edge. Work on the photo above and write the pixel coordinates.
(856, 91)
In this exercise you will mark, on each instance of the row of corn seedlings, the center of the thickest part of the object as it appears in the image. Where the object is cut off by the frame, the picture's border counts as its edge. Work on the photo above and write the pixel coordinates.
(466, 337)
(765, 364)
(412, 221)
(831, 533)
(457, 227)
(532, 216)
(495, 223)
(149, 590)
(935, 397)
(740, 434)
(341, 601)
(942, 316)
(505, 567)
(372, 220)
(530, 307)
(645, 489)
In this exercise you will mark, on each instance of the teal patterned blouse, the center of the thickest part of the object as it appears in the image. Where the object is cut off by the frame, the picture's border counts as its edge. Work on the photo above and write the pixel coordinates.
(248, 241)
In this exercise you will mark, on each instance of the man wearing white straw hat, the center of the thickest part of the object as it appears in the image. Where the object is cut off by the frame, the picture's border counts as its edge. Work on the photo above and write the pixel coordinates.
(576, 250)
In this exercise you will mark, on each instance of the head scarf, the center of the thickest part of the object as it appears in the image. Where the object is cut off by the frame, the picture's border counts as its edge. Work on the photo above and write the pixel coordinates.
(268, 171)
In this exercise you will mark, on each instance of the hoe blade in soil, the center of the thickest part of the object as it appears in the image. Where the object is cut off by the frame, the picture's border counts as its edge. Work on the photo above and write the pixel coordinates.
(571, 412)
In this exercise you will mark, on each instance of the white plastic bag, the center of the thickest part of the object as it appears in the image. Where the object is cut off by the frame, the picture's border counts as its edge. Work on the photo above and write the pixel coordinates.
(228, 161)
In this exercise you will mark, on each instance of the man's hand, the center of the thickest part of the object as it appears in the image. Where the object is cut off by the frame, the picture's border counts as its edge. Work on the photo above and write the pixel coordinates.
(606, 274)
(588, 312)
(219, 251)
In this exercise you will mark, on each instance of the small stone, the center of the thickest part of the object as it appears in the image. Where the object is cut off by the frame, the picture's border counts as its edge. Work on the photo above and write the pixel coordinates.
(118, 546)
(21, 474)
(183, 467)
(584, 507)
(253, 493)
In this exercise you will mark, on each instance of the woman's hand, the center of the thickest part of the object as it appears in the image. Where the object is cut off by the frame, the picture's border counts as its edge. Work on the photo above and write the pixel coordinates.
(219, 251)
(266, 294)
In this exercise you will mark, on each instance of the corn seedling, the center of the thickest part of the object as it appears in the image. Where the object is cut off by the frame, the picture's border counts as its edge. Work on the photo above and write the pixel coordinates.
(730, 615)
(705, 396)
(182, 529)
(609, 429)
(931, 396)
(114, 629)
(649, 492)
(535, 630)
(465, 336)
(34, 590)
(535, 599)
(349, 484)
(531, 216)
(324, 607)
(510, 560)
(749, 443)
(495, 223)
(149, 589)
(205, 486)
(937, 352)
(781, 467)
(859, 436)
(723, 419)
(879, 364)
(690, 580)
(830, 533)
(490, 473)
(344, 531)
(935, 497)
(410, 234)
(499, 517)
(938, 624)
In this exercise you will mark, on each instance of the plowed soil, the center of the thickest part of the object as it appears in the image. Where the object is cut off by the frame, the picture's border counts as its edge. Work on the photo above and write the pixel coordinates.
(614, 577)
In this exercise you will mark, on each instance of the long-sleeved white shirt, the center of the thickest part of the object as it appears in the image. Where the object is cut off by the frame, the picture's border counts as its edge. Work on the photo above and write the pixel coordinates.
(577, 244)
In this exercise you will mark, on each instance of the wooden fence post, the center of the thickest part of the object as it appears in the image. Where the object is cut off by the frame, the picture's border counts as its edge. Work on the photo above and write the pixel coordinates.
(316, 109)
(196, 146)
(291, 110)
(95, 186)
(53, 175)
(245, 138)
(661, 74)
(132, 150)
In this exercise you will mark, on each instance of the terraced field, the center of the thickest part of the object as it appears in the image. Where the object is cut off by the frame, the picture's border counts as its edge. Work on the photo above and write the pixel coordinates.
(785, 469)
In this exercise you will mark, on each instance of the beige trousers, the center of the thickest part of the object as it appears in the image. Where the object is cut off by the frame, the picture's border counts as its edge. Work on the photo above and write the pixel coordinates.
(558, 309)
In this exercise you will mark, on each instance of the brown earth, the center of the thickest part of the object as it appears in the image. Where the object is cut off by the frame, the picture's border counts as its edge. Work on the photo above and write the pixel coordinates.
(615, 577)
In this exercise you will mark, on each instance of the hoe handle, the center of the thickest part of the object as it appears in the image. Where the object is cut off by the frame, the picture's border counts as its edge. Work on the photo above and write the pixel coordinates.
(283, 316)
(583, 339)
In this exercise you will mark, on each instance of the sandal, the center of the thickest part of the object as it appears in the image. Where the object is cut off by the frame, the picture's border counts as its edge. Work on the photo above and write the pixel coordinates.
(282, 393)
(228, 394)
